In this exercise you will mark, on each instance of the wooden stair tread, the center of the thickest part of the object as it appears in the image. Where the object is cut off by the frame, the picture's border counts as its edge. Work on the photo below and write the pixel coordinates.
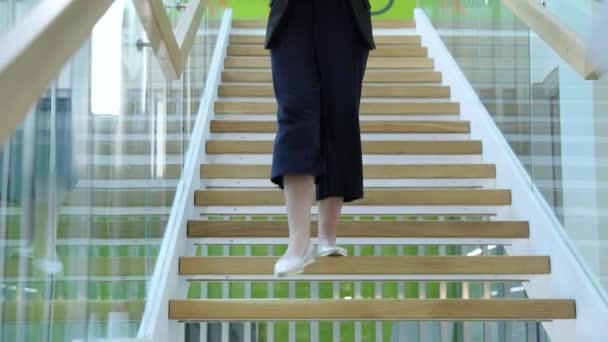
(263, 197)
(257, 90)
(440, 147)
(381, 40)
(249, 126)
(382, 51)
(380, 108)
(380, 23)
(371, 76)
(371, 309)
(416, 171)
(362, 229)
(373, 62)
(373, 265)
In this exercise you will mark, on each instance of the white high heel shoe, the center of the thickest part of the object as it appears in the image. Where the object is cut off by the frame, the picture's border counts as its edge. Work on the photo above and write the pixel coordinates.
(324, 250)
(294, 265)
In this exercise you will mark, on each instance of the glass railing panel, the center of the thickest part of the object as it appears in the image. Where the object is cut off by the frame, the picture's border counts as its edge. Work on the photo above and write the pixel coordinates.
(200, 61)
(491, 46)
(183, 97)
(11, 11)
(87, 186)
(553, 119)
(570, 154)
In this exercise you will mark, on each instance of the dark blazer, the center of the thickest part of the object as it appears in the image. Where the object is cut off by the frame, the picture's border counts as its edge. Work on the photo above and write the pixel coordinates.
(360, 10)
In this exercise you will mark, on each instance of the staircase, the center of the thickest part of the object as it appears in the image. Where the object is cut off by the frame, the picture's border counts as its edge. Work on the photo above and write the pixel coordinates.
(426, 185)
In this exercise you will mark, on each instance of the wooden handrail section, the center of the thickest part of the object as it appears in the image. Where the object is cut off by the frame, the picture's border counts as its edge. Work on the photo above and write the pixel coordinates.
(172, 47)
(36, 49)
(34, 52)
(567, 43)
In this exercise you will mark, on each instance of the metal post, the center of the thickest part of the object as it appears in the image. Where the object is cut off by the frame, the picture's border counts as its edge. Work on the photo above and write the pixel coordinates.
(336, 324)
(50, 233)
(204, 327)
(270, 325)
(357, 295)
(225, 295)
(247, 326)
(314, 326)
(378, 295)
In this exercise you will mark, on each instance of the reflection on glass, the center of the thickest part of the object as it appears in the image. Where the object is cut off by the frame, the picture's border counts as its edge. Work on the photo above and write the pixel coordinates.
(595, 43)
(570, 154)
(85, 198)
(11, 12)
(554, 120)
(491, 46)
(575, 14)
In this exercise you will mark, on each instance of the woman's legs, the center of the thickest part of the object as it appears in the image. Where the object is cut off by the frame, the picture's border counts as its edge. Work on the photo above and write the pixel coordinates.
(329, 217)
(297, 154)
(299, 190)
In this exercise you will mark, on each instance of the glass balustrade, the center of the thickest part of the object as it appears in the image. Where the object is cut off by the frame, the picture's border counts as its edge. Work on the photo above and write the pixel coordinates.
(575, 14)
(87, 185)
(11, 11)
(555, 121)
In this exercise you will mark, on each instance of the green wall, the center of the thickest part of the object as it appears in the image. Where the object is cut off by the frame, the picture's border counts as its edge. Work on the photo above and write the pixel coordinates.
(258, 9)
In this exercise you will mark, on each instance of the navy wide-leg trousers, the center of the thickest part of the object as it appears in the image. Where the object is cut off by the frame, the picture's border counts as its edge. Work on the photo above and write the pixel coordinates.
(318, 63)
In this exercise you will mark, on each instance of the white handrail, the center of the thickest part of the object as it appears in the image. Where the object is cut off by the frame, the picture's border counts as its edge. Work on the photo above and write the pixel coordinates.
(166, 283)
